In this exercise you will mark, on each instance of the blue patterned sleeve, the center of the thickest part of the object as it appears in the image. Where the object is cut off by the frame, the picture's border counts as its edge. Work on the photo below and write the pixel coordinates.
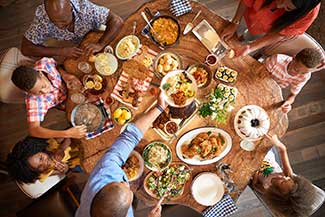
(99, 14)
(38, 30)
(122, 147)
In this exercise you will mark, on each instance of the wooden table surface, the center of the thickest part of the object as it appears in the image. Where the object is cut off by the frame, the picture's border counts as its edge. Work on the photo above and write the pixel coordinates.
(253, 82)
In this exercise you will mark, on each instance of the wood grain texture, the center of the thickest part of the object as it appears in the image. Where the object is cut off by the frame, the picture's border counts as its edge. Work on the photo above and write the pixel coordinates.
(252, 80)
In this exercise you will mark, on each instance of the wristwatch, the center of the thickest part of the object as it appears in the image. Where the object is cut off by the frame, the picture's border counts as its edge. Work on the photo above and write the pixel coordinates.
(236, 22)
(160, 108)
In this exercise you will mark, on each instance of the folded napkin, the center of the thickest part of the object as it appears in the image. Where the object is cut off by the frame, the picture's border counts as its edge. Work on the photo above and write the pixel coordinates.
(108, 123)
(225, 207)
(180, 7)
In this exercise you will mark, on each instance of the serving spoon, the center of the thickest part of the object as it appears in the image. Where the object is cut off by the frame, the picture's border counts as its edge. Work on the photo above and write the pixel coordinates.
(157, 36)
(190, 25)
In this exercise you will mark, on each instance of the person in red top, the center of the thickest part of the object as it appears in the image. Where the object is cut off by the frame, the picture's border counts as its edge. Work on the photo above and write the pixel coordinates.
(274, 19)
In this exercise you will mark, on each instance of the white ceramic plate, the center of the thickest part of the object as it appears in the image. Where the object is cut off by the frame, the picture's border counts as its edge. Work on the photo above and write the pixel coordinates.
(236, 122)
(187, 137)
(207, 189)
(167, 98)
(137, 47)
(141, 162)
(106, 60)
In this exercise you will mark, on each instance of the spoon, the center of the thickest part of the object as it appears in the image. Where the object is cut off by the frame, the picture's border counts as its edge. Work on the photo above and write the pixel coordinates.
(157, 36)
(190, 25)
(134, 27)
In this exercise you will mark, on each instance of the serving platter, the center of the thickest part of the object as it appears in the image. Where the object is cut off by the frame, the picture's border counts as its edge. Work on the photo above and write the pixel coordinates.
(190, 135)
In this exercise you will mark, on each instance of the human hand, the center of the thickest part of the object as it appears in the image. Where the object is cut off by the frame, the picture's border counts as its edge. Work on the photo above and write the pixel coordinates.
(72, 52)
(91, 48)
(61, 167)
(242, 50)
(275, 141)
(77, 132)
(228, 31)
(286, 107)
(156, 211)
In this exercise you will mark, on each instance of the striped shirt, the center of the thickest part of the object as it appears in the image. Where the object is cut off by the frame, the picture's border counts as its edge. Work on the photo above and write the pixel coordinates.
(277, 65)
(38, 105)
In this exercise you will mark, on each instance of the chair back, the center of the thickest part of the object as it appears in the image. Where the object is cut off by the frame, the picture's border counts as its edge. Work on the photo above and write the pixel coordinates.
(294, 45)
(37, 189)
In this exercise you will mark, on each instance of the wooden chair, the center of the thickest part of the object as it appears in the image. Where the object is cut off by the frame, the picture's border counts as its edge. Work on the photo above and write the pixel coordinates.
(317, 203)
(293, 45)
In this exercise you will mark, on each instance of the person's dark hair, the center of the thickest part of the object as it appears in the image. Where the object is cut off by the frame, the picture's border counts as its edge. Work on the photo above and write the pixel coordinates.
(310, 57)
(24, 77)
(303, 8)
(298, 202)
(17, 160)
(110, 201)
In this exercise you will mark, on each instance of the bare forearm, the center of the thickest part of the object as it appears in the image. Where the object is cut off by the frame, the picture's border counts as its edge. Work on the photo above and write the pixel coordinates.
(42, 132)
(145, 121)
(291, 98)
(30, 49)
(266, 40)
(240, 12)
(113, 25)
(287, 170)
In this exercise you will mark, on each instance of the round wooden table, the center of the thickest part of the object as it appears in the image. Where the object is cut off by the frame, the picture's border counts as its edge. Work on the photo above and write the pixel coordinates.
(253, 82)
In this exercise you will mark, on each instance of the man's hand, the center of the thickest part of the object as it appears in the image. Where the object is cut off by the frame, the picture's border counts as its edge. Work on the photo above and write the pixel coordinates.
(228, 31)
(286, 107)
(72, 52)
(161, 101)
(242, 50)
(156, 211)
(77, 132)
(91, 48)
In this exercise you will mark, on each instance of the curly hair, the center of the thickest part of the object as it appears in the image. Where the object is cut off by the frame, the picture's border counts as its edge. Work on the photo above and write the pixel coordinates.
(17, 160)
(298, 202)
(310, 57)
(24, 77)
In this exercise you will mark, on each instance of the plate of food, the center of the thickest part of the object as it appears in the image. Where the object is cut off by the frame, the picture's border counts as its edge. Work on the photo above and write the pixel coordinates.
(106, 64)
(202, 146)
(122, 115)
(169, 183)
(94, 84)
(133, 166)
(165, 31)
(251, 123)
(207, 189)
(157, 156)
(87, 114)
(179, 88)
(133, 83)
(127, 47)
(165, 62)
(226, 74)
(201, 73)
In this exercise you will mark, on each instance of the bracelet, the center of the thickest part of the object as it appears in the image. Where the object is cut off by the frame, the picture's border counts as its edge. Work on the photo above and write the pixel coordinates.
(160, 108)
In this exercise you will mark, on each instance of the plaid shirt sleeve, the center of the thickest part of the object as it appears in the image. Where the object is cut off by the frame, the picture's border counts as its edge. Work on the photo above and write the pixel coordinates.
(36, 108)
(99, 14)
(38, 30)
(48, 65)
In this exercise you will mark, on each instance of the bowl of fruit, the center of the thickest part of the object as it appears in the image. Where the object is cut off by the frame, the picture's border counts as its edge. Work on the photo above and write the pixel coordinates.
(94, 84)
(122, 115)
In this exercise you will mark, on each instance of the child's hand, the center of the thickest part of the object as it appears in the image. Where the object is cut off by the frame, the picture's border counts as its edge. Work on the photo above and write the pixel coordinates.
(286, 107)
(275, 141)
(61, 167)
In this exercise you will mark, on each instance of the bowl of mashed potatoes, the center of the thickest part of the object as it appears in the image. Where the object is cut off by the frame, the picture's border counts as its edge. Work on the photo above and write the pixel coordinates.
(127, 47)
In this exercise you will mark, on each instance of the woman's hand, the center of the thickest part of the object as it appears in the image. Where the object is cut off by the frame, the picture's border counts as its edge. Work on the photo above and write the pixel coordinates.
(156, 211)
(242, 50)
(77, 132)
(228, 31)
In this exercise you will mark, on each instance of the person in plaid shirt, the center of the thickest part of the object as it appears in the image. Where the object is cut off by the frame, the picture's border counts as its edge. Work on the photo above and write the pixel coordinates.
(293, 72)
(44, 90)
(68, 20)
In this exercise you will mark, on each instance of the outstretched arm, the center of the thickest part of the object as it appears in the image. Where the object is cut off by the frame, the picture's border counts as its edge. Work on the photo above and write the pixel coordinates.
(287, 169)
